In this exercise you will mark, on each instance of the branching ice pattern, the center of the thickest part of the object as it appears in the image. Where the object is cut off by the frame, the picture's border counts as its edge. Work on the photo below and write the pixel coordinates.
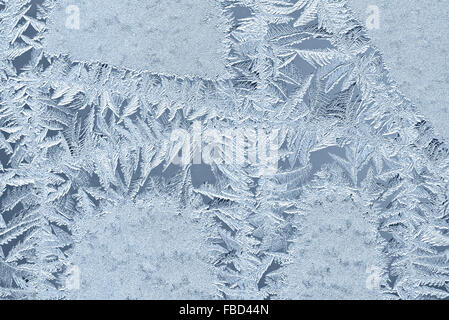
(362, 180)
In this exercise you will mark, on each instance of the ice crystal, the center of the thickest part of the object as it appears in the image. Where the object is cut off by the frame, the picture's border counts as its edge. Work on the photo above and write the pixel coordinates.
(356, 205)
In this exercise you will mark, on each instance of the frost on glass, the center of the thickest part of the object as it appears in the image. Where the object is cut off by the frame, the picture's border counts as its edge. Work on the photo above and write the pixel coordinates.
(416, 58)
(144, 251)
(355, 207)
(171, 37)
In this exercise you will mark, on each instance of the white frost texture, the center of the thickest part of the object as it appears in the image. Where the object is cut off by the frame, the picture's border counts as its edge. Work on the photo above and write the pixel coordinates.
(316, 178)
